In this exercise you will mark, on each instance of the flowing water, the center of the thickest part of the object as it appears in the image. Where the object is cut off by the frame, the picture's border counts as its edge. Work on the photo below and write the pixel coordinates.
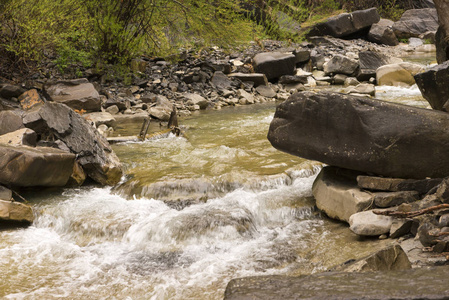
(191, 213)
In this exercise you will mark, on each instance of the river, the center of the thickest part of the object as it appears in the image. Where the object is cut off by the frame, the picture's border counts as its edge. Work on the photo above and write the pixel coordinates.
(191, 213)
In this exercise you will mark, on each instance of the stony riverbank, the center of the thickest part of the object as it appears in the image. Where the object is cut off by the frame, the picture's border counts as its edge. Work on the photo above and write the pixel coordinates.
(57, 126)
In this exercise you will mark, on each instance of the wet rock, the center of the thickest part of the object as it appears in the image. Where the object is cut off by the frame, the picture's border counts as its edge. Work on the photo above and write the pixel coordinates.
(395, 198)
(357, 133)
(25, 166)
(415, 22)
(382, 33)
(336, 193)
(274, 64)
(392, 258)
(20, 137)
(367, 223)
(99, 118)
(78, 94)
(10, 120)
(30, 99)
(9, 91)
(401, 74)
(57, 121)
(399, 285)
(15, 212)
(347, 24)
(422, 186)
(78, 176)
(433, 86)
(266, 91)
(340, 64)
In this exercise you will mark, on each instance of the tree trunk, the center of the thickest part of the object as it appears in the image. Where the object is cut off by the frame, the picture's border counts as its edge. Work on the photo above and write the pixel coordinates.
(442, 36)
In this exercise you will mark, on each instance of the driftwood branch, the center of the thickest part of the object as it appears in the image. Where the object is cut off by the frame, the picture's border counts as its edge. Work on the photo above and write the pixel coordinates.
(411, 214)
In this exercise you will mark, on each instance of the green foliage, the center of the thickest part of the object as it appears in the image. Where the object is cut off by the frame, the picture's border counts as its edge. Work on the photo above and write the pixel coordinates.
(33, 29)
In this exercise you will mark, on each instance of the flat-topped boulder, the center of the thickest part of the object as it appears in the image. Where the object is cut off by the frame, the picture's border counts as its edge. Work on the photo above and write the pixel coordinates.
(78, 94)
(24, 166)
(363, 134)
(347, 24)
(274, 64)
(256, 78)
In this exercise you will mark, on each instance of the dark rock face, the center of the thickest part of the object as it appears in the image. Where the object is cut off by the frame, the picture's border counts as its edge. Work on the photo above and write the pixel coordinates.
(401, 285)
(9, 91)
(415, 22)
(274, 64)
(442, 46)
(434, 86)
(372, 60)
(382, 33)
(55, 121)
(422, 186)
(363, 134)
(77, 94)
(347, 24)
(41, 166)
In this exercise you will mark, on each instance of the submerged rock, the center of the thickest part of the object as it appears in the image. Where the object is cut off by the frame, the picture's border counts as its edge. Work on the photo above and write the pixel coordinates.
(363, 134)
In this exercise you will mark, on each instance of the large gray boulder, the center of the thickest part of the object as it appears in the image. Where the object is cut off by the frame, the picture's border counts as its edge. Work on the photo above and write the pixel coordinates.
(256, 78)
(24, 166)
(363, 134)
(78, 94)
(337, 194)
(382, 33)
(274, 64)
(434, 86)
(415, 22)
(57, 122)
(347, 24)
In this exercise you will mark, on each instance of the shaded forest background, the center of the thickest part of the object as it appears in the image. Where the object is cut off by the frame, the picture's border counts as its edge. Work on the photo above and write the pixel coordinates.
(93, 33)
